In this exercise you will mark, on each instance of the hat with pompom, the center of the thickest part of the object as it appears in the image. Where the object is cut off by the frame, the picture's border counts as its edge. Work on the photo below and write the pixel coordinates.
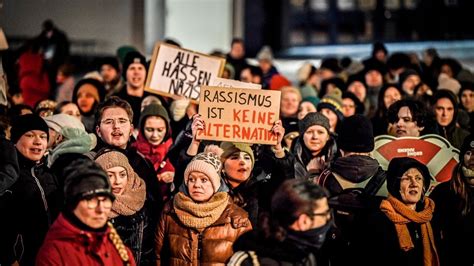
(208, 163)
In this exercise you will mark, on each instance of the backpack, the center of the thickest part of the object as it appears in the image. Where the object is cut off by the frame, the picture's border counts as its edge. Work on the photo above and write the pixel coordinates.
(351, 208)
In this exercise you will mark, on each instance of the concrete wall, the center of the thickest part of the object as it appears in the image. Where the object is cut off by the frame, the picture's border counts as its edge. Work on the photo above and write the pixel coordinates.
(109, 23)
(202, 25)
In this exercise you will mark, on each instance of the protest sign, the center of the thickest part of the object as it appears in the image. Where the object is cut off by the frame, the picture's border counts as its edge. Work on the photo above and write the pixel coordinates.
(432, 150)
(239, 115)
(177, 71)
(230, 83)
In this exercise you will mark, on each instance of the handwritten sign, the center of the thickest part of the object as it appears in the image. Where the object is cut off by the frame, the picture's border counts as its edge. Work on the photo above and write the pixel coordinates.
(239, 115)
(432, 150)
(230, 83)
(177, 71)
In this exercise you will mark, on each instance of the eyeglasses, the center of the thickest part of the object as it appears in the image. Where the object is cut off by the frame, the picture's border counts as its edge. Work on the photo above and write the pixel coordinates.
(95, 201)
(119, 121)
(327, 214)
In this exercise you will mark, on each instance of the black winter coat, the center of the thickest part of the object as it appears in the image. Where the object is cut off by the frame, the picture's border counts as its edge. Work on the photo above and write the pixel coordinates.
(35, 204)
(452, 230)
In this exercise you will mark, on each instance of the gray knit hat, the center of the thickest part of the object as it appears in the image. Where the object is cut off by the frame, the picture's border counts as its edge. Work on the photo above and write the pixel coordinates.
(312, 119)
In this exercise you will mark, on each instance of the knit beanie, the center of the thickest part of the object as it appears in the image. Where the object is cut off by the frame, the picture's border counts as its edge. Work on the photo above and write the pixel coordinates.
(397, 167)
(208, 163)
(356, 134)
(333, 102)
(468, 144)
(99, 96)
(305, 71)
(84, 178)
(265, 54)
(312, 119)
(332, 64)
(232, 147)
(58, 121)
(111, 61)
(114, 158)
(278, 81)
(131, 58)
(445, 82)
(25, 123)
(154, 110)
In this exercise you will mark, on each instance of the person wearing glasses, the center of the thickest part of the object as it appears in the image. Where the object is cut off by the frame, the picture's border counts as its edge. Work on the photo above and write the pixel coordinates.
(81, 234)
(400, 232)
(114, 129)
(293, 232)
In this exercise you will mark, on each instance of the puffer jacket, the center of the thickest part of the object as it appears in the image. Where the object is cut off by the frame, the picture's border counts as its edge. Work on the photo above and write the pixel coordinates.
(180, 245)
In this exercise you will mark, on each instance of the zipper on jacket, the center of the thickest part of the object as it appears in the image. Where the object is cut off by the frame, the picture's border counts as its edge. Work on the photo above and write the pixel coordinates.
(199, 251)
(43, 196)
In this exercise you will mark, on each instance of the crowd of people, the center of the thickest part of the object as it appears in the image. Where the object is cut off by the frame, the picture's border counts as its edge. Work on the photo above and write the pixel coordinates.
(98, 171)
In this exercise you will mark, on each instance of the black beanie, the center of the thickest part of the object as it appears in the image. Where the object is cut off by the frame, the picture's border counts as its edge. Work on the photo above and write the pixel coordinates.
(468, 144)
(111, 61)
(84, 178)
(356, 134)
(130, 58)
(25, 123)
(312, 119)
(397, 167)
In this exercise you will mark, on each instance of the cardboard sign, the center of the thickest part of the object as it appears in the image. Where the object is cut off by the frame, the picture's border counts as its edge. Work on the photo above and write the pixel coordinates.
(239, 115)
(177, 71)
(230, 83)
(432, 150)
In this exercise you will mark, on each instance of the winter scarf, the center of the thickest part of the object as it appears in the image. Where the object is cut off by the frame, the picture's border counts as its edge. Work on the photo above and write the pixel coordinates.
(131, 200)
(155, 153)
(77, 141)
(400, 215)
(200, 215)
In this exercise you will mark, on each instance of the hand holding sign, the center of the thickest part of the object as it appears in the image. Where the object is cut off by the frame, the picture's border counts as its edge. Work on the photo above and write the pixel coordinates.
(239, 115)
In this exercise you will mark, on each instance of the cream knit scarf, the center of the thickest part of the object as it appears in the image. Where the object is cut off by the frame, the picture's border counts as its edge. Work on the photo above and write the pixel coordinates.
(200, 215)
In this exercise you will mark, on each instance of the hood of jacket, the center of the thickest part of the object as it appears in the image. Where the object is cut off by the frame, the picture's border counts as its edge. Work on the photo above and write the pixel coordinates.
(355, 168)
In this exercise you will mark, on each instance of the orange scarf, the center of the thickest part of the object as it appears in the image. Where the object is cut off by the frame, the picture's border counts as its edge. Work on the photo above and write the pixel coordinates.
(400, 215)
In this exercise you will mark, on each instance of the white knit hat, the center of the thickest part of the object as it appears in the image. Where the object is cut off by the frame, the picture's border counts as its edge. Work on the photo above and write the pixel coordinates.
(59, 121)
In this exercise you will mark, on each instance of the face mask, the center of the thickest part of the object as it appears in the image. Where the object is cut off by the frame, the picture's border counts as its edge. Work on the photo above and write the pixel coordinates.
(311, 238)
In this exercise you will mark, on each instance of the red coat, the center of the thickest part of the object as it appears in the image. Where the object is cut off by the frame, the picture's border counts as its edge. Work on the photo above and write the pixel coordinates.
(66, 244)
(33, 79)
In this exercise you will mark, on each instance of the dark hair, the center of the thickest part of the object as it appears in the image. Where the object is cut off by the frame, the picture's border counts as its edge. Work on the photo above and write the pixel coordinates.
(293, 198)
(113, 102)
(382, 109)
(455, 66)
(236, 40)
(359, 106)
(419, 113)
(60, 106)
